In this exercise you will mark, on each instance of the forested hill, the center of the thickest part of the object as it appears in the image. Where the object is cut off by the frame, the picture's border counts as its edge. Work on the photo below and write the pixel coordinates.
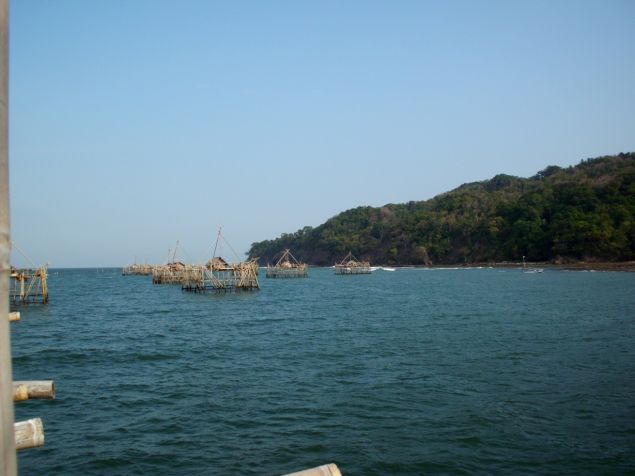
(585, 212)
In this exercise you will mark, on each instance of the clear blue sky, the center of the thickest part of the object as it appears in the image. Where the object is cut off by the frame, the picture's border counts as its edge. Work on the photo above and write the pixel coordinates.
(137, 123)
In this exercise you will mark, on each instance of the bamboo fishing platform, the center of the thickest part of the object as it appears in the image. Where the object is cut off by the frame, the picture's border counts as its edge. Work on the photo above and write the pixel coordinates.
(287, 267)
(215, 275)
(219, 276)
(350, 265)
(137, 269)
(171, 273)
(29, 286)
(174, 272)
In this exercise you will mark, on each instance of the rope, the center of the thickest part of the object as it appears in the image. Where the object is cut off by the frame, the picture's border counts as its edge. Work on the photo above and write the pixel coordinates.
(23, 254)
(216, 244)
(230, 246)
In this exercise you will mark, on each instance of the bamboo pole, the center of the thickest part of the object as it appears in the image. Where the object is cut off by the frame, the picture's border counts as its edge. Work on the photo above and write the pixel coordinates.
(324, 470)
(8, 465)
(20, 393)
(14, 316)
(35, 389)
(29, 434)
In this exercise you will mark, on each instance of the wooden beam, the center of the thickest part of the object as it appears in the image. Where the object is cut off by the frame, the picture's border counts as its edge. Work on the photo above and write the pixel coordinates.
(29, 434)
(35, 389)
(20, 393)
(8, 464)
(324, 470)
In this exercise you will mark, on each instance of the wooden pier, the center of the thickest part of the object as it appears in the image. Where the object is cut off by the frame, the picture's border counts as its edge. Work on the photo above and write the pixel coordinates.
(287, 267)
(350, 265)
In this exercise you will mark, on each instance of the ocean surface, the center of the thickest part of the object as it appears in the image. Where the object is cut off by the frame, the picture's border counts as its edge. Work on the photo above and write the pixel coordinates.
(417, 371)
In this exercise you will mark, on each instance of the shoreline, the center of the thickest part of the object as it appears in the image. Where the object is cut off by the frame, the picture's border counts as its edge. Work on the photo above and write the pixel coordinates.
(624, 266)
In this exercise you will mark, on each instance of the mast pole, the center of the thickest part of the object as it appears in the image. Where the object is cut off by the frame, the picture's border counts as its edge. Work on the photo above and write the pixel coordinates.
(8, 464)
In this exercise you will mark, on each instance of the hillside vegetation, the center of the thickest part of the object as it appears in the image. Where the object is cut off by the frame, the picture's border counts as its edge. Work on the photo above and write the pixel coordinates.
(585, 212)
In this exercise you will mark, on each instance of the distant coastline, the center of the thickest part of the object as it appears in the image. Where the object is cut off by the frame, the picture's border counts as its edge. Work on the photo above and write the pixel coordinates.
(626, 266)
(575, 217)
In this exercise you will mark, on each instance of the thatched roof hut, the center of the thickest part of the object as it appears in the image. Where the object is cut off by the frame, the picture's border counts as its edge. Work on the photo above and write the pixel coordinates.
(217, 263)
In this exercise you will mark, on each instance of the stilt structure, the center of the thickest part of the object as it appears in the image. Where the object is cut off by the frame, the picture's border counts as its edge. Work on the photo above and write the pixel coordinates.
(29, 286)
(172, 273)
(350, 265)
(287, 267)
(220, 276)
(242, 276)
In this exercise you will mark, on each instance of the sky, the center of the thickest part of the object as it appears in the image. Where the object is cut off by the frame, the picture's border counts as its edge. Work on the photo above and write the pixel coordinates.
(134, 124)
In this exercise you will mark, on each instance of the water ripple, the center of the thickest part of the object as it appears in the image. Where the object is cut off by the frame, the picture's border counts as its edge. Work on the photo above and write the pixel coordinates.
(412, 372)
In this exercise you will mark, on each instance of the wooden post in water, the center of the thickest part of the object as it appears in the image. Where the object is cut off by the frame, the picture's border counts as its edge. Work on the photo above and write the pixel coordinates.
(29, 434)
(8, 465)
(35, 389)
(20, 393)
(324, 470)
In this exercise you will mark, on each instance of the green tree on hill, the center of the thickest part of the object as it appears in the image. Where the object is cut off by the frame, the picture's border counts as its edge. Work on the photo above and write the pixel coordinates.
(582, 212)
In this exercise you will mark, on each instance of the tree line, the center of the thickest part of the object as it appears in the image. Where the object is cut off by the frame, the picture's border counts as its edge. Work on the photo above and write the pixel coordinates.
(584, 212)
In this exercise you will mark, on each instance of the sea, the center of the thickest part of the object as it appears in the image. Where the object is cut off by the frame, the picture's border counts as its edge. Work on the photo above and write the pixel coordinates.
(411, 372)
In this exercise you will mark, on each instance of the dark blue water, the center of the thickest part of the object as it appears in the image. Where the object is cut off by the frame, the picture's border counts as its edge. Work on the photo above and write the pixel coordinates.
(396, 373)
